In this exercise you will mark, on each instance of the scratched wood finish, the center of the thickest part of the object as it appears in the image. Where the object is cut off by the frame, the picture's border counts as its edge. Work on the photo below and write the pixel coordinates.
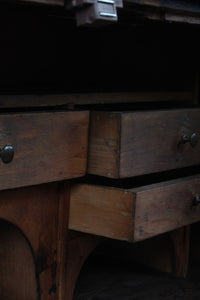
(48, 147)
(134, 214)
(126, 144)
(40, 213)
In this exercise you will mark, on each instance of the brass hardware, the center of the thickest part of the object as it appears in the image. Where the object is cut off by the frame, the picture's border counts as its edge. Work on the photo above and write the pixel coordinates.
(193, 139)
(7, 154)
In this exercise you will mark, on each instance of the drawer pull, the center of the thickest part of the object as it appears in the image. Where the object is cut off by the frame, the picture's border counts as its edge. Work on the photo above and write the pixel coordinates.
(7, 154)
(196, 200)
(193, 139)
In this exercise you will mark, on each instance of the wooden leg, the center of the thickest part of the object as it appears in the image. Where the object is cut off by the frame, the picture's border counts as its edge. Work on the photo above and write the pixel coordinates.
(17, 266)
(80, 247)
(180, 239)
(168, 253)
(41, 214)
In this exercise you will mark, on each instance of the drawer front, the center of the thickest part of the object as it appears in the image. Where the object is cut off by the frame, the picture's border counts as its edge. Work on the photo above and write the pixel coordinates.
(47, 147)
(136, 143)
(135, 214)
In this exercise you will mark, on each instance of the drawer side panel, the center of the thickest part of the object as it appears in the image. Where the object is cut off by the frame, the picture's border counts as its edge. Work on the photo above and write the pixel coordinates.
(101, 211)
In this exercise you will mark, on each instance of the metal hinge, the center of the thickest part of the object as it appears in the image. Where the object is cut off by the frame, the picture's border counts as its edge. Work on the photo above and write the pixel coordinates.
(94, 12)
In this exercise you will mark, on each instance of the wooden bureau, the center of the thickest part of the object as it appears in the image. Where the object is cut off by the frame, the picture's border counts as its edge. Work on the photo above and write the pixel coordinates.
(99, 137)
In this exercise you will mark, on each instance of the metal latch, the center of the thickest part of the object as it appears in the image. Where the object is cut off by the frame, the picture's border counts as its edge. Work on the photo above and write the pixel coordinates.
(94, 12)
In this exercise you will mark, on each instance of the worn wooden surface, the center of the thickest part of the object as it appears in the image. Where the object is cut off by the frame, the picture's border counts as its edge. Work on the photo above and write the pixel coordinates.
(166, 206)
(17, 267)
(126, 144)
(104, 141)
(40, 213)
(48, 147)
(101, 211)
(134, 214)
(10, 101)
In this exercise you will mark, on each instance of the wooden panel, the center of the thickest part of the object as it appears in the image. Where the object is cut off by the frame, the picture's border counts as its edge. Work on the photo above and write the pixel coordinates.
(9, 101)
(104, 140)
(41, 215)
(149, 142)
(48, 147)
(165, 206)
(101, 211)
(134, 214)
(17, 275)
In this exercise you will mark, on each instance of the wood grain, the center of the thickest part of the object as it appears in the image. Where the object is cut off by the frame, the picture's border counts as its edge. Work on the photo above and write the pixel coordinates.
(142, 142)
(134, 214)
(48, 147)
(35, 211)
(165, 206)
(103, 148)
(101, 211)
(17, 267)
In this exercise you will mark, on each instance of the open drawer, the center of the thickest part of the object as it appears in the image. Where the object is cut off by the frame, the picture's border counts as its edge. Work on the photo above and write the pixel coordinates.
(126, 144)
(42, 147)
(135, 214)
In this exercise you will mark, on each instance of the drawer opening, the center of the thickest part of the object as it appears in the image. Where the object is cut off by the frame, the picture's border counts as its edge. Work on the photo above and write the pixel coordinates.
(133, 182)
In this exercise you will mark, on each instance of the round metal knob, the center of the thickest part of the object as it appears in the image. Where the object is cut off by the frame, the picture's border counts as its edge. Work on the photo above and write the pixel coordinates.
(7, 154)
(193, 139)
(196, 200)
